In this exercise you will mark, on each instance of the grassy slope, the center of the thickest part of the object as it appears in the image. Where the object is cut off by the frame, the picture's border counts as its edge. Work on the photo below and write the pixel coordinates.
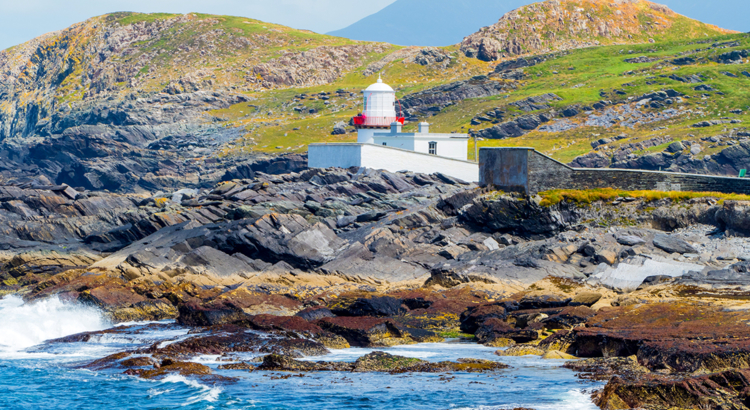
(216, 45)
(605, 69)
(593, 70)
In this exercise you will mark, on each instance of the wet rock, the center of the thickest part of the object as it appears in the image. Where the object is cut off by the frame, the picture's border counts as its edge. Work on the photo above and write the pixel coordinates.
(473, 318)
(380, 362)
(521, 350)
(170, 366)
(725, 390)
(314, 313)
(557, 355)
(492, 329)
(569, 318)
(364, 331)
(603, 368)
(383, 306)
(670, 337)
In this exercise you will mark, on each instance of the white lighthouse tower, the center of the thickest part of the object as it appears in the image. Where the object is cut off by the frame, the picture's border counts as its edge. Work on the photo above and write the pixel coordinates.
(379, 112)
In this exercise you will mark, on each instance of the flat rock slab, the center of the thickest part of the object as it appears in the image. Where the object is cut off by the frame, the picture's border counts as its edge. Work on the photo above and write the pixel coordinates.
(673, 244)
(629, 274)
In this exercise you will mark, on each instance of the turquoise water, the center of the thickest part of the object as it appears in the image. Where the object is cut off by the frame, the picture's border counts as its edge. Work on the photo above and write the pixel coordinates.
(36, 375)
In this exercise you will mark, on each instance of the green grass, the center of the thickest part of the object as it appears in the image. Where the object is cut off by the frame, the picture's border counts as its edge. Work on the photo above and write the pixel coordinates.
(456, 335)
(224, 50)
(585, 197)
(126, 18)
(600, 69)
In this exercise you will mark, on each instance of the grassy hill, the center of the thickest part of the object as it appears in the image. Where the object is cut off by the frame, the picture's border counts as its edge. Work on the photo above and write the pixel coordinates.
(297, 84)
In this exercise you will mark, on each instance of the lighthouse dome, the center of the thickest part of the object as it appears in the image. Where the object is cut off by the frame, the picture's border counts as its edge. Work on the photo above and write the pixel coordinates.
(380, 86)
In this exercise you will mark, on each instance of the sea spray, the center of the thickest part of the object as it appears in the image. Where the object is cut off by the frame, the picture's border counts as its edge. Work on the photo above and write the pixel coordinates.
(23, 325)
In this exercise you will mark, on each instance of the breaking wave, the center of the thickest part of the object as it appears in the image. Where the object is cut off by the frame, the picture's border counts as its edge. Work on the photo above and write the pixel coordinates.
(24, 325)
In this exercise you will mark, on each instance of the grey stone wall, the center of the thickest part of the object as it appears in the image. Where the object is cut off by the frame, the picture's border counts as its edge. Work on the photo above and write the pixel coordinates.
(543, 173)
(507, 168)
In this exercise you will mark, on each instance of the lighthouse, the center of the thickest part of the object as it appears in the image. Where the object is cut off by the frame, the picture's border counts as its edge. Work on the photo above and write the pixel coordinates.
(379, 112)
(382, 144)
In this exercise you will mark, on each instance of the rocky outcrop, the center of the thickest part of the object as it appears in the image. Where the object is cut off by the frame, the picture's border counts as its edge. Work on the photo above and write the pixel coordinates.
(567, 24)
(729, 161)
(381, 362)
(432, 101)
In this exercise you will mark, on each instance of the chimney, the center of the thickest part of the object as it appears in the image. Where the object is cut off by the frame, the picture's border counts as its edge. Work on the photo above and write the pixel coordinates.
(396, 127)
(424, 128)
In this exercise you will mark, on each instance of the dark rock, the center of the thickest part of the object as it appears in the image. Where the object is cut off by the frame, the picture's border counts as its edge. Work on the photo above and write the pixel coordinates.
(361, 331)
(732, 57)
(683, 61)
(493, 329)
(383, 306)
(675, 147)
(673, 244)
(314, 313)
(474, 317)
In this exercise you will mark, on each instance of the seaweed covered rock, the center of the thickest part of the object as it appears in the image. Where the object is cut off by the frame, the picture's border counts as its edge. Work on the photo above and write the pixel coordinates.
(473, 318)
(726, 390)
(493, 329)
(365, 331)
(380, 362)
(676, 337)
(382, 306)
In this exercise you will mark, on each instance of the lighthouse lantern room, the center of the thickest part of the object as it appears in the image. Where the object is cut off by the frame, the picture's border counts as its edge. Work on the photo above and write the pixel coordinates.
(379, 112)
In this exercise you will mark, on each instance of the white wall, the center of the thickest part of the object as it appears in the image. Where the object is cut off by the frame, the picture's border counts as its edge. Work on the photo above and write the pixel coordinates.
(402, 143)
(364, 135)
(343, 155)
(448, 145)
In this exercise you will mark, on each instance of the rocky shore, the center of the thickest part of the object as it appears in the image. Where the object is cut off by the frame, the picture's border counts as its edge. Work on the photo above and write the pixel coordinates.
(651, 291)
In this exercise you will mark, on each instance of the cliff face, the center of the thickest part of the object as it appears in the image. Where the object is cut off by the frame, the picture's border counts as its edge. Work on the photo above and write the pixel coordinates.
(568, 24)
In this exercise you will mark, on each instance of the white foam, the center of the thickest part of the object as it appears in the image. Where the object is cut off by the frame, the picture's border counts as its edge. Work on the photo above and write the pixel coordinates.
(25, 325)
(209, 394)
(573, 400)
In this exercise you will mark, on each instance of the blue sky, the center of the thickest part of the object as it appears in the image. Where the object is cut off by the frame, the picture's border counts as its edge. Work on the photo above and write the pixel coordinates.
(22, 20)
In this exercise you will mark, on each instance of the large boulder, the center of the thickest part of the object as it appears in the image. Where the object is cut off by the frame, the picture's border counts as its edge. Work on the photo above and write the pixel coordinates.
(474, 317)
(673, 244)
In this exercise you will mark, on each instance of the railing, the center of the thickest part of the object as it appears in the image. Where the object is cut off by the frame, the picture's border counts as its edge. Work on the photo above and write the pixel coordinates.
(362, 120)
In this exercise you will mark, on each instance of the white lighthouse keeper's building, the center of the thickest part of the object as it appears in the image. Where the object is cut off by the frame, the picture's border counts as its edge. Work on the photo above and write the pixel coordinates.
(381, 144)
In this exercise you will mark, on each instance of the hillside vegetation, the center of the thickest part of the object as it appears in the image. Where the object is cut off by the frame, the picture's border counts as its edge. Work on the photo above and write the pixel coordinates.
(197, 86)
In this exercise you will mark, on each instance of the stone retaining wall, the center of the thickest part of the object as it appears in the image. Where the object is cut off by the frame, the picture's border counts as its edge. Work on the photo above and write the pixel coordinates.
(529, 171)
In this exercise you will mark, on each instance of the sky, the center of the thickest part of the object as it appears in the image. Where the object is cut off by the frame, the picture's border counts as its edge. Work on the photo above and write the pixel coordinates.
(22, 20)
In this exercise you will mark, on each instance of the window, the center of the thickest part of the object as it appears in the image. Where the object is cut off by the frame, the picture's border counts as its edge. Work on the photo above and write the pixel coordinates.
(433, 148)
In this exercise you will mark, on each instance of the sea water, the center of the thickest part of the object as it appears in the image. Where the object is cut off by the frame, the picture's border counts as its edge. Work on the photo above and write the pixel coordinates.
(39, 375)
